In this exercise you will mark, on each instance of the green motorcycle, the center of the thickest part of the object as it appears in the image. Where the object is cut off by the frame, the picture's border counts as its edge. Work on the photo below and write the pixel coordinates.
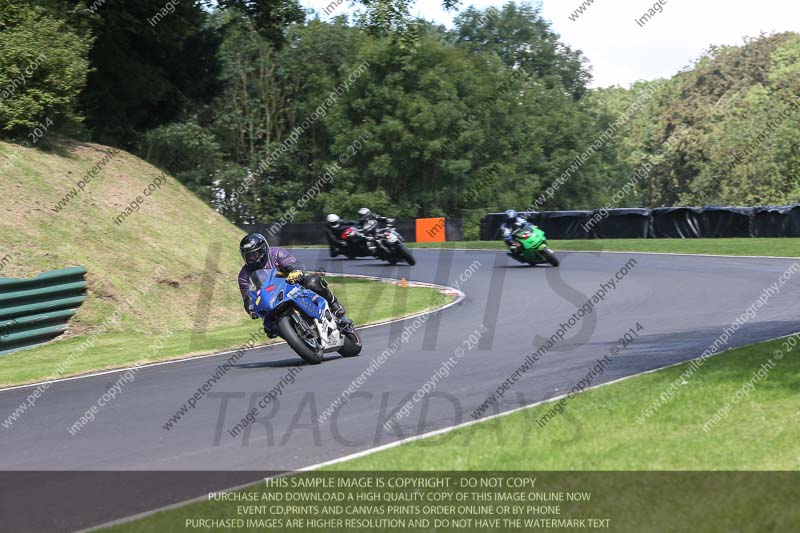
(529, 245)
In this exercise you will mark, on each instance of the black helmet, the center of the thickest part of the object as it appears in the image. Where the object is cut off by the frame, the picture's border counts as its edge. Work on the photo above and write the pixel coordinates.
(254, 248)
(511, 215)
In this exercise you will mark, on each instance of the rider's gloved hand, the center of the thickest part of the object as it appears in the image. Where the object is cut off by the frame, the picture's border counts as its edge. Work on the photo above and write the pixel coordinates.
(295, 276)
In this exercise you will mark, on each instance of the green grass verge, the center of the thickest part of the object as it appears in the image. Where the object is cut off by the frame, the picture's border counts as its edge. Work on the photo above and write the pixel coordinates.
(767, 247)
(598, 432)
(117, 350)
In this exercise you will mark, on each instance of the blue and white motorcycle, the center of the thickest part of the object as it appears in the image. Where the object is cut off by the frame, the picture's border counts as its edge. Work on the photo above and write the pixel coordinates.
(300, 317)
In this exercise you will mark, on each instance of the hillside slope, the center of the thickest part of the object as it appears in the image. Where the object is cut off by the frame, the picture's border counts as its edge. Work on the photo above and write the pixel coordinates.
(49, 220)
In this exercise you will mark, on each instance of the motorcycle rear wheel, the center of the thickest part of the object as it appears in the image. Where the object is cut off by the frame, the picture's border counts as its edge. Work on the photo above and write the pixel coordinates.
(288, 329)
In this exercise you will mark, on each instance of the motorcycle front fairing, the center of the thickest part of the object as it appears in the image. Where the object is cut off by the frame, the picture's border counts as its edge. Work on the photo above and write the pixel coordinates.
(270, 293)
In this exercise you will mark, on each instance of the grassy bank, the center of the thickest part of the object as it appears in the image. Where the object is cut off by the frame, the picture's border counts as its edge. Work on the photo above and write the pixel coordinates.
(766, 247)
(56, 218)
(121, 349)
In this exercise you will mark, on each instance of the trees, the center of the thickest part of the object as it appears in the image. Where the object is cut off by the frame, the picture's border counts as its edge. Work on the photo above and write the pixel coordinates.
(737, 109)
(523, 39)
(249, 104)
(37, 84)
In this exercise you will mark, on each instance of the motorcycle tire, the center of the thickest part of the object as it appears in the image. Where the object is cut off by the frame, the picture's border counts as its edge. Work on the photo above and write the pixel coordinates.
(406, 255)
(352, 345)
(551, 258)
(287, 327)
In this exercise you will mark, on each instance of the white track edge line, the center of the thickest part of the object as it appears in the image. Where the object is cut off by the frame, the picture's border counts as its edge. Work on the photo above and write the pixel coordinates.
(387, 446)
(621, 252)
(442, 288)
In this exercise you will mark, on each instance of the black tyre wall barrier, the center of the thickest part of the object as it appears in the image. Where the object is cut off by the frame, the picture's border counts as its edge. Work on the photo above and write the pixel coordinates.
(660, 223)
(717, 221)
(620, 224)
(675, 223)
(773, 221)
(565, 225)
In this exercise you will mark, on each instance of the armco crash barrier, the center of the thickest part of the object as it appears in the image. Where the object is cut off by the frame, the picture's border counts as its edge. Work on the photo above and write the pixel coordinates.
(306, 233)
(660, 223)
(36, 310)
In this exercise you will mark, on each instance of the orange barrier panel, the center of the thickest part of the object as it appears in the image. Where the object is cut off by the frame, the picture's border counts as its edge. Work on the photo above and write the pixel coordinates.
(430, 230)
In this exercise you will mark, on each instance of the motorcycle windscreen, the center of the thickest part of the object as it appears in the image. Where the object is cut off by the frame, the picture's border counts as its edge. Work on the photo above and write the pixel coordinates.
(259, 278)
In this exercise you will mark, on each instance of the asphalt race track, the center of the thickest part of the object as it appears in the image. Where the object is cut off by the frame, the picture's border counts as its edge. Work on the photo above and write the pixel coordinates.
(683, 304)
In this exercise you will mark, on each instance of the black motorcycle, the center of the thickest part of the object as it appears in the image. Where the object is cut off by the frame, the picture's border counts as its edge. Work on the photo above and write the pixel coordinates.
(384, 243)
(355, 243)
(388, 244)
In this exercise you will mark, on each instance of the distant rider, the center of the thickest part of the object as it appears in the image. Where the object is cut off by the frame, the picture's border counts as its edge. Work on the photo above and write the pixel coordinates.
(333, 232)
(258, 254)
(512, 223)
(368, 222)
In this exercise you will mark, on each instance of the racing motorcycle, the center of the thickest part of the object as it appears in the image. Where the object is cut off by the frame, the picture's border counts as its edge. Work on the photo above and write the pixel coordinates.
(355, 243)
(529, 245)
(300, 317)
(387, 244)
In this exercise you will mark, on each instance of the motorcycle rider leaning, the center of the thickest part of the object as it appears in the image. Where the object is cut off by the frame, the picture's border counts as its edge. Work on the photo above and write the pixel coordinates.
(333, 232)
(368, 222)
(512, 223)
(258, 254)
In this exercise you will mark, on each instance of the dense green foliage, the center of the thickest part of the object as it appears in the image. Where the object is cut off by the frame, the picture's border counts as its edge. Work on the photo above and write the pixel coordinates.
(36, 83)
(738, 110)
(271, 116)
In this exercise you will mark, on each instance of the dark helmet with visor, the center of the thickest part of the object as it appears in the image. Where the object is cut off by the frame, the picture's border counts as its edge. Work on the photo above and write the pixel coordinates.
(254, 248)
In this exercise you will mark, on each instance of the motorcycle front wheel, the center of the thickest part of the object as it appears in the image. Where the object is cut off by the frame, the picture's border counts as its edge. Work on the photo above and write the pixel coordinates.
(307, 348)
(352, 345)
(549, 256)
(406, 255)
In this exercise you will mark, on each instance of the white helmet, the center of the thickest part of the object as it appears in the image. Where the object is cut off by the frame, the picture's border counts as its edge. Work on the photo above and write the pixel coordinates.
(333, 218)
(364, 212)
